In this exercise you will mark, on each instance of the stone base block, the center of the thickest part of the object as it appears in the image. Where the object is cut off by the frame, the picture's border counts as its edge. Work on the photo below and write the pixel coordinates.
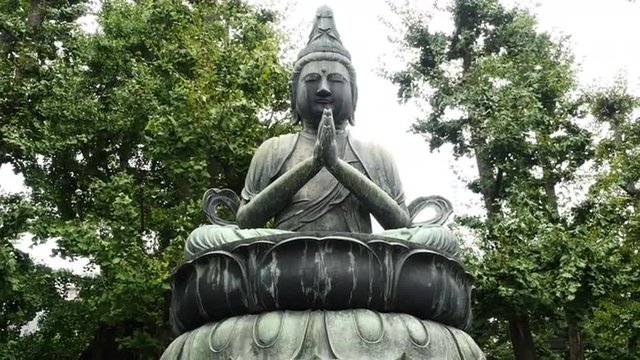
(319, 334)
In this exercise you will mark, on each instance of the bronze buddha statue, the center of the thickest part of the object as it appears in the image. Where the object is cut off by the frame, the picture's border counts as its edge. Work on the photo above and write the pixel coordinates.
(320, 284)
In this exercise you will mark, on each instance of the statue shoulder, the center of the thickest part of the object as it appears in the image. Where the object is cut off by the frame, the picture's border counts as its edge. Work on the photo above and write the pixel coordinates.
(379, 166)
(271, 154)
(266, 163)
(276, 147)
(371, 153)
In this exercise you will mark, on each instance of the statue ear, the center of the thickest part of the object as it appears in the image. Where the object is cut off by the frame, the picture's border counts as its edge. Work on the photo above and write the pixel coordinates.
(352, 115)
(292, 99)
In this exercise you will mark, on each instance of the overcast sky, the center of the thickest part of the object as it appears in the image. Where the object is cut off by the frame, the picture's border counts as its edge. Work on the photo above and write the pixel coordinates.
(603, 38)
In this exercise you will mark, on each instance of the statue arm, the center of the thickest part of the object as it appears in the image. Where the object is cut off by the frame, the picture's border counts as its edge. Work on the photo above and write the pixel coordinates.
(386, 210)
(276, 195)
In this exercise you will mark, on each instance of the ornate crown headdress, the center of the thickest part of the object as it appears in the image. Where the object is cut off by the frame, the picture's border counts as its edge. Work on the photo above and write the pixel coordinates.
(324, 36)
(324, 44)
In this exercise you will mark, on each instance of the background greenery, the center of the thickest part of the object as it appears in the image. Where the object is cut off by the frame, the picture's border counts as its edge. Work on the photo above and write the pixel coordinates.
(119, 132)
(553, 271)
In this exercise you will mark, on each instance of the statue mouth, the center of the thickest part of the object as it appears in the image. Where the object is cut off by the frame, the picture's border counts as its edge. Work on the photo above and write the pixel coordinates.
(323, 101)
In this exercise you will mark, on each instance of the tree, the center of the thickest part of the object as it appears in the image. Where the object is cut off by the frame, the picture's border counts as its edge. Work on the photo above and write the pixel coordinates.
(29, 32)
(117, 135)
(504, 94)
(612, 208)
(25, 288)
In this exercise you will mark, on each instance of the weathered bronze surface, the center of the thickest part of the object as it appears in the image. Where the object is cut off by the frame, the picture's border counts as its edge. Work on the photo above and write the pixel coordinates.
(323, 334)
(320, 271)
(319, 284)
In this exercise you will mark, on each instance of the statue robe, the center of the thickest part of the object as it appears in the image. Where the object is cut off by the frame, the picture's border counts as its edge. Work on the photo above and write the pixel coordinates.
(323, 204)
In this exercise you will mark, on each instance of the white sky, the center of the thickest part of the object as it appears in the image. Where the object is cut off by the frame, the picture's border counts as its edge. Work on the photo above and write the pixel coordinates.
(603, 38)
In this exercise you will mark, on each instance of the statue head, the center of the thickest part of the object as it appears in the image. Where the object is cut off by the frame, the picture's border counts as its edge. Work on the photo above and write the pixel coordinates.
(323, 76)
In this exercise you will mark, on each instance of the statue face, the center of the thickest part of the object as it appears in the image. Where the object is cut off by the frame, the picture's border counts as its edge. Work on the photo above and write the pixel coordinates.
(324, 85)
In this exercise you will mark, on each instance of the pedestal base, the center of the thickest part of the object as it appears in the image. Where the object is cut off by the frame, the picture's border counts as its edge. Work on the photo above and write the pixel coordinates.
(345, 334)
(321, 270)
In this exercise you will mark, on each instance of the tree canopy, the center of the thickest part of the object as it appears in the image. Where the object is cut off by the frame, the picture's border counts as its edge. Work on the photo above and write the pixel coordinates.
(118, 133)
(546, 262)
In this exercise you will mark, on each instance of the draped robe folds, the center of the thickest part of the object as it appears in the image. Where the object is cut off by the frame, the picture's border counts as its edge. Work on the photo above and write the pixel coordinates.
(323, 204)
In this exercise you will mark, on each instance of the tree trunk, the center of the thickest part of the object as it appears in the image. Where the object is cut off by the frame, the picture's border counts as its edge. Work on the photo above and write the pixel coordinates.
(521, 339)
(33, 24)
(634, 341)
(34, 18)
(576, 342)
(550, 190)
(519, 331)
(104, 345)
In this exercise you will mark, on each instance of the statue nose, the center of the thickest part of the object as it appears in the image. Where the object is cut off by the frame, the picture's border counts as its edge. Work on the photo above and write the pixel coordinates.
(324, 90)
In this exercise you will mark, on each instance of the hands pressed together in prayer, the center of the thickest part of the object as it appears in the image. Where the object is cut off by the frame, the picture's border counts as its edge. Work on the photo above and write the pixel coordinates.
(389, 214)
(277, 194)
(326, 148)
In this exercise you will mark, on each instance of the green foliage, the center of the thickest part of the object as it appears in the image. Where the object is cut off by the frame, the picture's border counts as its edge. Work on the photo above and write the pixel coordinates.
(612, 211)
(505, 94)
(26, 289)
(118, 134)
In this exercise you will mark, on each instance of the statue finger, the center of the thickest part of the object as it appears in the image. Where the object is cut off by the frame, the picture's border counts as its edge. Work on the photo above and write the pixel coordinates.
(326, 117)
(331, 127)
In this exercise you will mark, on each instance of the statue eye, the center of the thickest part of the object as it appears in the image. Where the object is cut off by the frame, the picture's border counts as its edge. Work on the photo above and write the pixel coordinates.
(337, 78)
(312, 77)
